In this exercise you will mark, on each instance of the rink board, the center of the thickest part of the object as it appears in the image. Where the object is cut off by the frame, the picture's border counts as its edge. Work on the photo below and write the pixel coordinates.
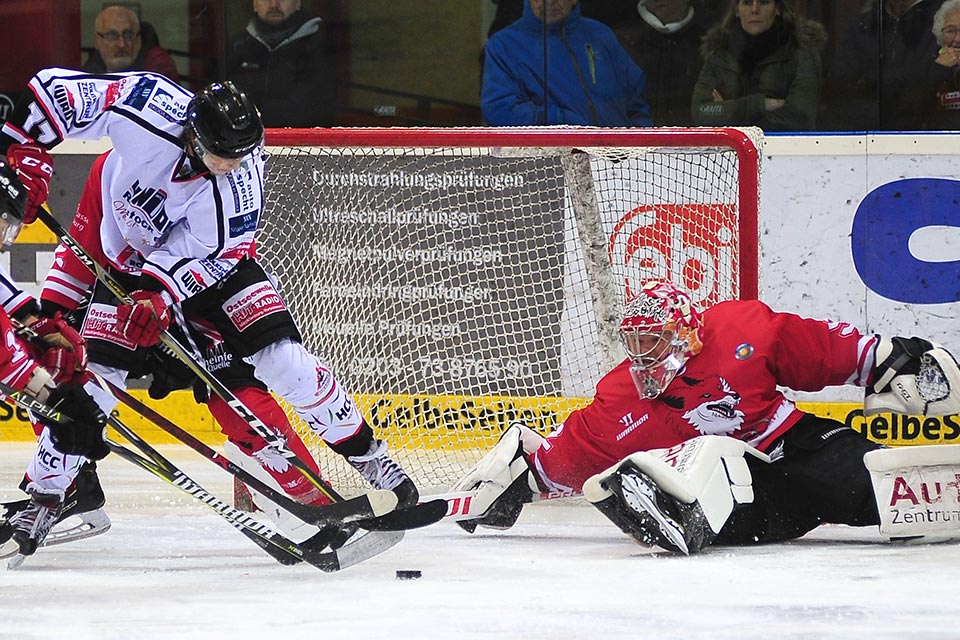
(476, 422)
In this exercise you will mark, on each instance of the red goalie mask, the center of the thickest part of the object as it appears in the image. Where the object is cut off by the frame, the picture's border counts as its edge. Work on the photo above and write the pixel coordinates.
(659, 332)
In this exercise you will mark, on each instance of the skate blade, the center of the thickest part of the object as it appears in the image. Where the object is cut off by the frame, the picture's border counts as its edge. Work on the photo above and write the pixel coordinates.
(9, 549)
(16, 561)
(78, 527)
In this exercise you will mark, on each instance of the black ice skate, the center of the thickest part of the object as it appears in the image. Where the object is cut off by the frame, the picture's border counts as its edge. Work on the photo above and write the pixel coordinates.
(383, 472)
(81, 515)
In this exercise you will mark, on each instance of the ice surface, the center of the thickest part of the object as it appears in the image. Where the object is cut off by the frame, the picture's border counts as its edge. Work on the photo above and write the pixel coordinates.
(172, 569)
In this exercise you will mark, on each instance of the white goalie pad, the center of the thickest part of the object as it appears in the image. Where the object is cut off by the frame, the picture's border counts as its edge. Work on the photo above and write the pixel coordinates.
(497, 470)
(710, 470)
(933, 391)
(916, 489)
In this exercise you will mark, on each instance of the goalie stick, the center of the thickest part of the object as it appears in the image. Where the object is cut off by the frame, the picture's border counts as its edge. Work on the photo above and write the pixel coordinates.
(345, 511)
(285, 551)
(180, 352)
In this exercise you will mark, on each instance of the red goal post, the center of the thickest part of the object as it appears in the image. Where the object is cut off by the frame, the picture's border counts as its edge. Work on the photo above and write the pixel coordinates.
(457, 279)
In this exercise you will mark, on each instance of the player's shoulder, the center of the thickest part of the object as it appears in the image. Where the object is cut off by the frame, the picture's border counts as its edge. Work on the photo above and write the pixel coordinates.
(155, 97)
(737, 313)
(733, 307)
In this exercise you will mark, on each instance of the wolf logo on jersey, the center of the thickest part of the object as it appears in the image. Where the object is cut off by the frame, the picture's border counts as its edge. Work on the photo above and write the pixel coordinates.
(709, 404)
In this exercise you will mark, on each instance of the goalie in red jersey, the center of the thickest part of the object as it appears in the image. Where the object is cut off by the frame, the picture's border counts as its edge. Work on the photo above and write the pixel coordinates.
(689, 441)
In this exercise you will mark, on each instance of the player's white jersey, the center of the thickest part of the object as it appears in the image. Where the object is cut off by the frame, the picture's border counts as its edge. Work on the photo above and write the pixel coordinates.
(163, 215)
(11, 296)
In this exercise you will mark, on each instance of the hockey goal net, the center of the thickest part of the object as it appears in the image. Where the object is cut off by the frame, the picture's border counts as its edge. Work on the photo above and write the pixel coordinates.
(455, 280)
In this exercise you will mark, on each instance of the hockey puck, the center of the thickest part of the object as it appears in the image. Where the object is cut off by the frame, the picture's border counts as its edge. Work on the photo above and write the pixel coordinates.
(408, 575)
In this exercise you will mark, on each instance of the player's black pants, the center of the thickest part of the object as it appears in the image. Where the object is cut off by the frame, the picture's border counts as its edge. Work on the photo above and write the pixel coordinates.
(243, 311)
(820, 479)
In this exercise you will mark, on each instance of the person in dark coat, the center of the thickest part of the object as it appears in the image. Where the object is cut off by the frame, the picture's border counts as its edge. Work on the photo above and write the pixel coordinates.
(762, 67)
(877, 76)
(282, 62)
(663, 38)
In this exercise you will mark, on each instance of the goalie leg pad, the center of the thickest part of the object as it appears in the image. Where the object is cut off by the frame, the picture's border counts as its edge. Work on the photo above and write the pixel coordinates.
(916, 489)
(677, 498)
(502, 482)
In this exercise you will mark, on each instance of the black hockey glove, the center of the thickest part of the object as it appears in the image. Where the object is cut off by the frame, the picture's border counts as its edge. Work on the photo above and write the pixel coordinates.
(84, 434)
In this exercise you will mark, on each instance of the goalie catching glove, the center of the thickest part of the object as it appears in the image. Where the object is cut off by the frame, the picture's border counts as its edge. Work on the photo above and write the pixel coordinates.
(913, 376)
(677, 498)
(83, 435)
(144, 318)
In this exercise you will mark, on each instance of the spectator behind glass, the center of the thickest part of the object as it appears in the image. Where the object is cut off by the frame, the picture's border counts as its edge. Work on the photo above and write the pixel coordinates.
(590, 78)
(284, 65)
(123, 43)
(895, 43)
(762, 67)
(945, 69)
(609, 12)
(663, 38)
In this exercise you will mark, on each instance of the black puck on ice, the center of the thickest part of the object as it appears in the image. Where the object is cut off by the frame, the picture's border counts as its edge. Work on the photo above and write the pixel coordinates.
(408, 575)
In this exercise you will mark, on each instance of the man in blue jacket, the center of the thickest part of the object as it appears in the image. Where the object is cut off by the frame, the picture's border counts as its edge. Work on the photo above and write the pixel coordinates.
(589, 78)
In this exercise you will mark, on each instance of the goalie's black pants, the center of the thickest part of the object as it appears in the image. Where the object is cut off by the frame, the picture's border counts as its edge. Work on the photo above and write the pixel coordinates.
(819, 479)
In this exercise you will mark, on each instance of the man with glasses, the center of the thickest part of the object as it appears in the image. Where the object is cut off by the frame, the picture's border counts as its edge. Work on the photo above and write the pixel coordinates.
(123, 43)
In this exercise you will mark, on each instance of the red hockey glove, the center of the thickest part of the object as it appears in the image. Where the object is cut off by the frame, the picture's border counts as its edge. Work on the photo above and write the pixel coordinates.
(145, 319)
(66, 355)
(34, 167)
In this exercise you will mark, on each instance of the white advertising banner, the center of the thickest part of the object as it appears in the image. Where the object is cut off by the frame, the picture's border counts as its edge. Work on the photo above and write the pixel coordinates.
(864, 229)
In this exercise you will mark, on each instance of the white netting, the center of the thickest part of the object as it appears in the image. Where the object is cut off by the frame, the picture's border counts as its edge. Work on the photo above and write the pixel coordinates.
(453, 289)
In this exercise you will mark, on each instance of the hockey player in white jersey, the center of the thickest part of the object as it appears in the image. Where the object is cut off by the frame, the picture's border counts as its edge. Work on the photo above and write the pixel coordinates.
(181, 198)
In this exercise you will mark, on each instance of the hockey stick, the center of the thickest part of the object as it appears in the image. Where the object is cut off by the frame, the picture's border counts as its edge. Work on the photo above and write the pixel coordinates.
(279, 547)
(188, 358)
(276, 545)
(369, 506)
(344, 511)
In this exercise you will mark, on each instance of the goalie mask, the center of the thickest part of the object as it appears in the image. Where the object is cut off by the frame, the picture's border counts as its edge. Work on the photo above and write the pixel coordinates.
(659, 332)
(13, 200)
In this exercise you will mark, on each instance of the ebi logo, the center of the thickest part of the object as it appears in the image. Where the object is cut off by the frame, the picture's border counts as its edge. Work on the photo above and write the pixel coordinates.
(691, 245)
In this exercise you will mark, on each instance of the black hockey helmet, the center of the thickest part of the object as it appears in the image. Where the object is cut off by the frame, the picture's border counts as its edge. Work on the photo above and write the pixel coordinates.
(13, 202)
(225, 121)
